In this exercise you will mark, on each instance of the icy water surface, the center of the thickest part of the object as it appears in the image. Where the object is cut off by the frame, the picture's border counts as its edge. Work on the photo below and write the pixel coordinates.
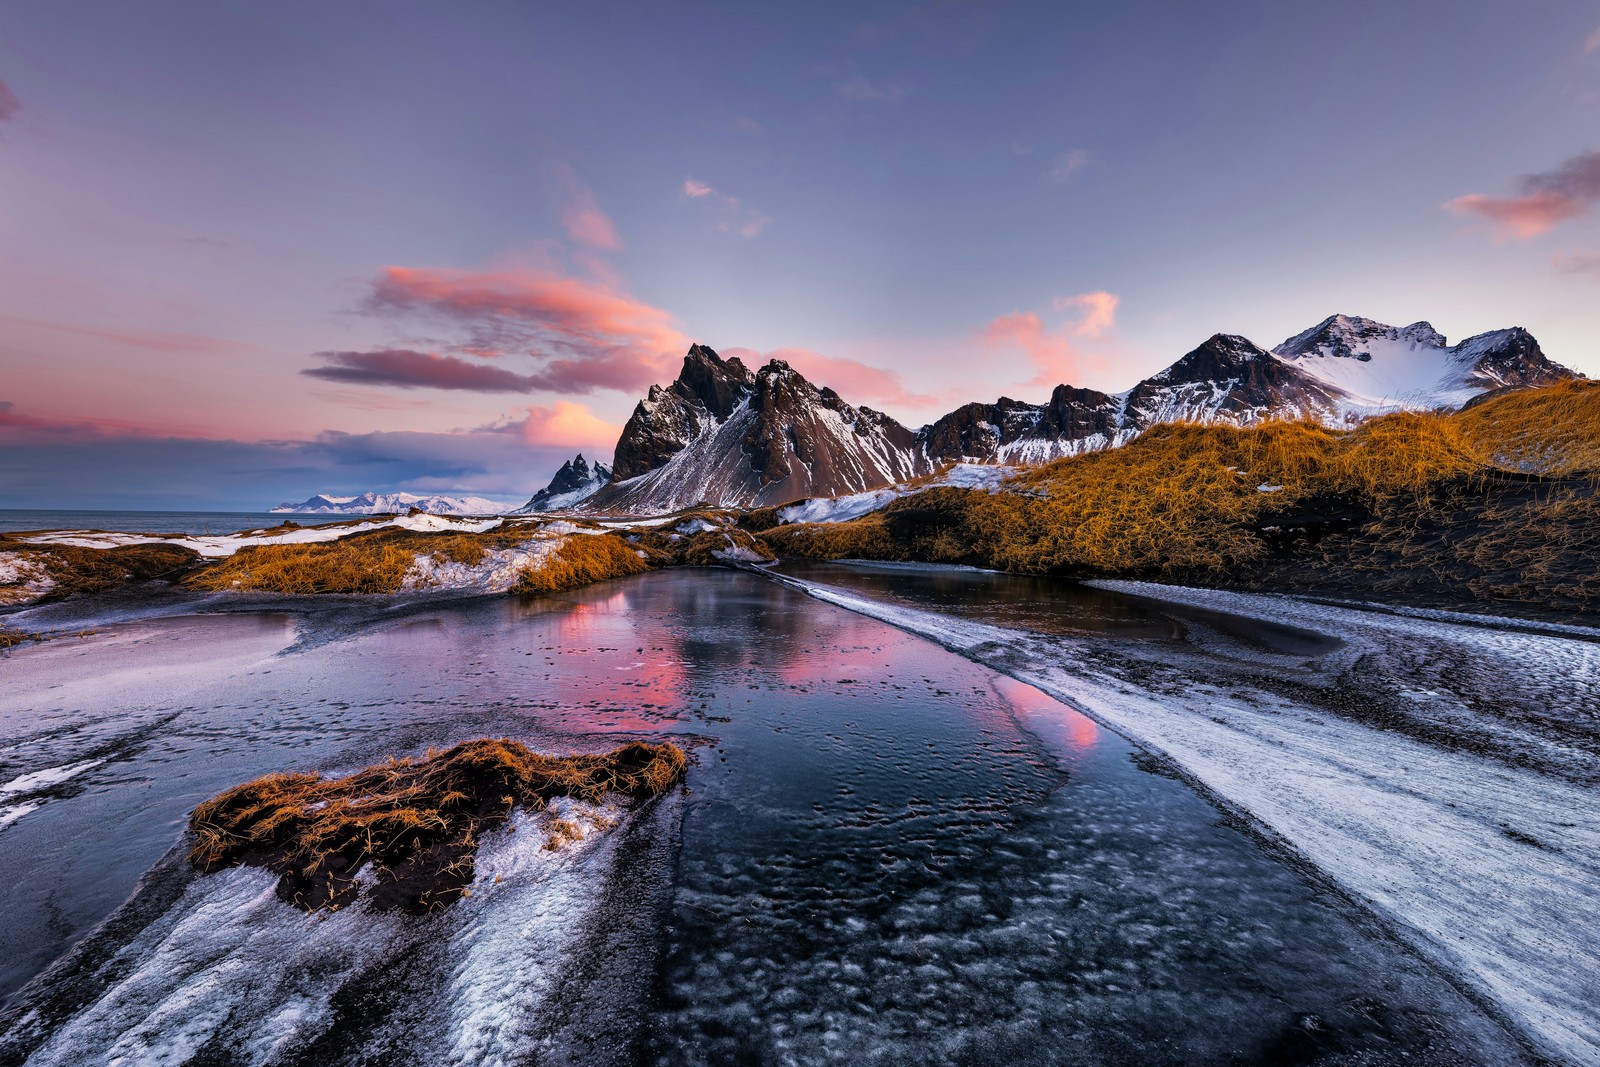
(886, 854)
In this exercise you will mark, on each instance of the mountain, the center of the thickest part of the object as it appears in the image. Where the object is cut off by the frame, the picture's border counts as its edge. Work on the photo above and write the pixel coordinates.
(574, 483)
(1340, 371)
(392, 504)
(724, 435)
(1377, 368)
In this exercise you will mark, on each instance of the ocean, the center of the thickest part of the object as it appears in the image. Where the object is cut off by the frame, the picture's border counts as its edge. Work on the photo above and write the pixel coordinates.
(184, 522)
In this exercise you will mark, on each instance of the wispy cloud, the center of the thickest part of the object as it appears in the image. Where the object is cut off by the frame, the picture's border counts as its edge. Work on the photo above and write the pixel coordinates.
(727, 213)
(1068, 165)
(149, 340)
(861, 89)
(584, 335)
(9, 104)
(857, 382)
(1057, 353)
(409, 369)
(1592, 44)
(1578, 263)
(1542, 200)
(579, 211)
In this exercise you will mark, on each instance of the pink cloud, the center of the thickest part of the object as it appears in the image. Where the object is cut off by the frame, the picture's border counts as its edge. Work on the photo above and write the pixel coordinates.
(1057, 354)
(587, 335)
(727, 214)
(857, 382)
(1099, 312)
(1543, 200)
(198, 344)
(568, 424)
(409, 369)
(578, 210)
(9, 104)
(1593, 42)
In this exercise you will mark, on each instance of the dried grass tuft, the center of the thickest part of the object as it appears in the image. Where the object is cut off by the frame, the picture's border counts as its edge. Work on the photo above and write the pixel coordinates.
(415, 822)
(582, 559)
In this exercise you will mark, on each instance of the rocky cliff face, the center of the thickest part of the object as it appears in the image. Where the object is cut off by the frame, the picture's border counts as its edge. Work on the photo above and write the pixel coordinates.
(574, 483)
(725, 436)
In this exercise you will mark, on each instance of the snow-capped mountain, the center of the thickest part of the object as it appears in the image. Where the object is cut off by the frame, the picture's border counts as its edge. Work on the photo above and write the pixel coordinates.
(392, 504)
(1376, 368)
(574, 483)
(724, 435)
(1340, 371)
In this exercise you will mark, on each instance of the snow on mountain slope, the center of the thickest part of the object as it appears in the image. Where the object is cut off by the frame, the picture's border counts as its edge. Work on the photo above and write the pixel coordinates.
(574, 483)
(1379, 368)
(725, 436)
(392, 504)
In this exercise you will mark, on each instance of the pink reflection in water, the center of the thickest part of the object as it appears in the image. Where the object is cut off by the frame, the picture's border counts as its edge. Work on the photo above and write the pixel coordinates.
(1070, 731)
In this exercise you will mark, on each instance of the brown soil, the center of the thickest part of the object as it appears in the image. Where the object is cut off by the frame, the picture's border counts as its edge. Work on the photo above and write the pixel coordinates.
(417, 822)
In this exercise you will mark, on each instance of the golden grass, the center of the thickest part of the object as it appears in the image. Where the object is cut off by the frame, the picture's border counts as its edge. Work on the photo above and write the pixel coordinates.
(352, 565)
(1191, 500)
(416, 822)
(94, 570)
(581, 559)
(10, 638)
(373, 562)
(1554, 430)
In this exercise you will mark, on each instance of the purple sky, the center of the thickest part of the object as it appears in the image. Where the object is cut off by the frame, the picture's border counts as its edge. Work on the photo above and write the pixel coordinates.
(249, 252)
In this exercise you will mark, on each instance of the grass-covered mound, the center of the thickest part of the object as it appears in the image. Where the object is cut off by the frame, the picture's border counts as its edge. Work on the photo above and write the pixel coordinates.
(416, 822)
(582, 559)
(1494, 501)
(72, 569)
(373, 562)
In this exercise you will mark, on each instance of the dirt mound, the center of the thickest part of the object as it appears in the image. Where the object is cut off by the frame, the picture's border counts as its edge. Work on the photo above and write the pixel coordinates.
(417, 822)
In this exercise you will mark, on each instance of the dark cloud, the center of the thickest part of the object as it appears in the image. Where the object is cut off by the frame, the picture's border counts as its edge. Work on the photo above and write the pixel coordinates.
(409, 369)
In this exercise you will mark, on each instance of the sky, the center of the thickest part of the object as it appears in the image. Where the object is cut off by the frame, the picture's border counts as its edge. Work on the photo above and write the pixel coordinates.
(252, 252)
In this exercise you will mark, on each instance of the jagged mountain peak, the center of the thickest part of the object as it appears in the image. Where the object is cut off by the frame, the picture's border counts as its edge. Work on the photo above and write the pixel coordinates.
(725, 435)
(574, 483)
(1354, 337)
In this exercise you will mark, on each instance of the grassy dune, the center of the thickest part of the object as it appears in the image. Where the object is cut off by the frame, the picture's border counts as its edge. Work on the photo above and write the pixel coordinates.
(1496, 501)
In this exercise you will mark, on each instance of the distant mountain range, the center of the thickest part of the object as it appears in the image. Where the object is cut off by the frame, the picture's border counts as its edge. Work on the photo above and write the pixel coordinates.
(724, 435)
(392, 504)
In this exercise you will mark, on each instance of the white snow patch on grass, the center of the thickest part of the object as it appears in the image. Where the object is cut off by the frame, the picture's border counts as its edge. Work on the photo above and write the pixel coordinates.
(217, 546)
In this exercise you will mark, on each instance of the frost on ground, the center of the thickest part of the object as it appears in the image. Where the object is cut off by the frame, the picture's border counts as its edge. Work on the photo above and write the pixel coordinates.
(1441, 773)
(496, 573)
(223, 971)
(22, 578)
(844, 508)
(215, 546)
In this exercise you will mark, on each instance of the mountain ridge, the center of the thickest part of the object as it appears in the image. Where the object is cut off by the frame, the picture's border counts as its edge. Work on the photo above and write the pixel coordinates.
(724, 435)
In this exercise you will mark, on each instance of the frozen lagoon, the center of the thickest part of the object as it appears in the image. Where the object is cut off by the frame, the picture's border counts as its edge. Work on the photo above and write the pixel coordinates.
(888, 853)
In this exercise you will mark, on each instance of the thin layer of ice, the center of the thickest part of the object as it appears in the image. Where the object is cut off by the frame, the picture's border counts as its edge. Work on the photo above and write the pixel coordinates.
(1489, 870)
